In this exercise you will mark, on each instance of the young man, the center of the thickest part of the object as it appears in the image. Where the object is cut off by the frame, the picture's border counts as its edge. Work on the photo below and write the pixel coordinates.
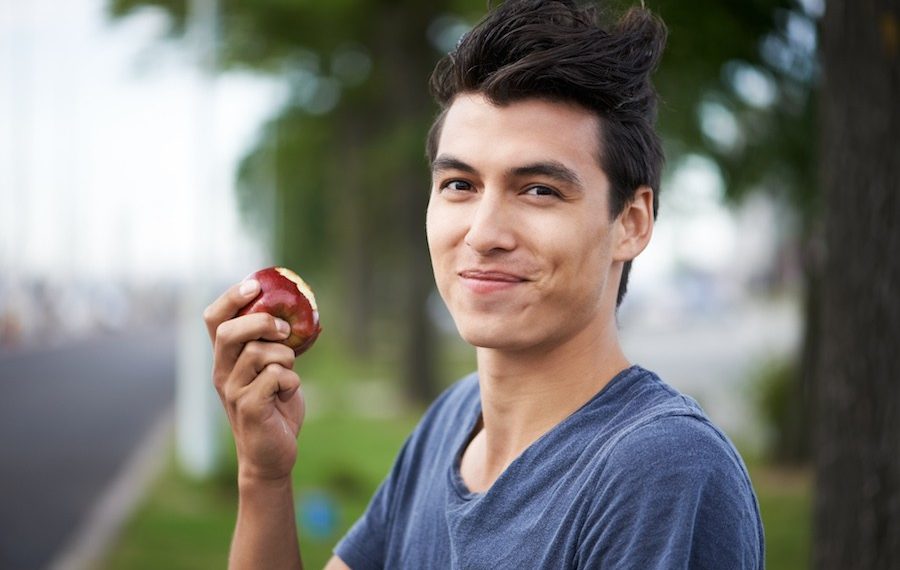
(557, 453)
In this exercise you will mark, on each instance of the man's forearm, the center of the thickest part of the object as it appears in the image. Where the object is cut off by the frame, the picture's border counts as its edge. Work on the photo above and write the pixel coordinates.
(265, 535)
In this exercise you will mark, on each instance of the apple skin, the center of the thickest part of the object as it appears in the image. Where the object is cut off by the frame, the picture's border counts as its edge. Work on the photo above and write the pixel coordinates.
(283, 294)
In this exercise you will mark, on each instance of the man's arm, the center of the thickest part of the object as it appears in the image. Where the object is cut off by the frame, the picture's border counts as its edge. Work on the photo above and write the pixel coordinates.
(265, 535)
(260, 392)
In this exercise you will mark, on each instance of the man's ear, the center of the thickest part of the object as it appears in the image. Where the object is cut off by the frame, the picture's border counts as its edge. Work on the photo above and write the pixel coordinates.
(634, 225)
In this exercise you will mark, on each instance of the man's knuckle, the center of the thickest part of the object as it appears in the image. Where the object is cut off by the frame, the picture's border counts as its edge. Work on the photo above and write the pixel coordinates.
(224, 330)
(285, 352)
(242, 404)
(256, 352)
(230, 396)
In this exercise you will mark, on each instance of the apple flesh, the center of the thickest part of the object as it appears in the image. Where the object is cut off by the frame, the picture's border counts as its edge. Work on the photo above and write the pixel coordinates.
(285, 295)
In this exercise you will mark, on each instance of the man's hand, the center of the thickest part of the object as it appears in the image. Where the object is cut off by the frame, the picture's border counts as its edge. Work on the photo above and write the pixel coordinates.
(256, 383)
(261, 394)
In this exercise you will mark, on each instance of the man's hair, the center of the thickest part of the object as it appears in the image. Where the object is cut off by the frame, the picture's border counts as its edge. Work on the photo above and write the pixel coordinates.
(558, 51)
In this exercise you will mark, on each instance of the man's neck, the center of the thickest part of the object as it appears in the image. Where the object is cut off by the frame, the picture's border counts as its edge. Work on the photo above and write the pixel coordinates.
(525, 394)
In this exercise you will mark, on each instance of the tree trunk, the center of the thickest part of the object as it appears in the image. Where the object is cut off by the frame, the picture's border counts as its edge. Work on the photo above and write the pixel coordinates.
(795, 445)
(857, 436)
(406, 67)
(354, 246)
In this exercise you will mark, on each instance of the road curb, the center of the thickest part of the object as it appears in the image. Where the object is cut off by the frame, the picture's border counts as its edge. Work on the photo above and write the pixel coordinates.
(96, 534)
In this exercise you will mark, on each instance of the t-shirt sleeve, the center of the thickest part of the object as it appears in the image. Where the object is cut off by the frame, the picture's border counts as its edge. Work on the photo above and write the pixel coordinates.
(364, 545)
(673, 494)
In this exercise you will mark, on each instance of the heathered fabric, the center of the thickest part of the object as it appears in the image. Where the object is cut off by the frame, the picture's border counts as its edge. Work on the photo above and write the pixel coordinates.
(636, 478)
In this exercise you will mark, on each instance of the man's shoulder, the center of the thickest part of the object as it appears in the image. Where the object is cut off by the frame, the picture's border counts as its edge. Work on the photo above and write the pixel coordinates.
(678, 435)
(657, 427)
(662, 421)
(668, 471)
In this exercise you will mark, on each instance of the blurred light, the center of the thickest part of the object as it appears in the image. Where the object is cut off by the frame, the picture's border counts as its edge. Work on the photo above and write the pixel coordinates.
(708, 242)
(317, 515)
(694, 199)
(304, 84)
(792, 48)
(351, 65)
(752, 85)
(306, 60)
(446, 31)
(695, 186)
(813, 8)
(720, 126)
(316, 94)
(775, 52)
(801, 31)
(325, 97)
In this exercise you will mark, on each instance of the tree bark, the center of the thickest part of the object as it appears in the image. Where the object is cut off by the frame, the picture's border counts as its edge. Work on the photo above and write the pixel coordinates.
(857, 436)
(406, 68)
(354, 245)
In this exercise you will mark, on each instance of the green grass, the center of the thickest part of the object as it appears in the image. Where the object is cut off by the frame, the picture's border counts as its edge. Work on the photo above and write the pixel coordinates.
(785, 503)
(181, 525)
(350, 456)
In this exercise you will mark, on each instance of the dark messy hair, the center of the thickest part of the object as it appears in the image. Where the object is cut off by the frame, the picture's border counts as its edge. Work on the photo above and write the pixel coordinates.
(559, 51)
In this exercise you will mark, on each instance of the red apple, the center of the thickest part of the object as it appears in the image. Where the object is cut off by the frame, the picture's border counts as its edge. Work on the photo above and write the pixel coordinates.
(285, 295)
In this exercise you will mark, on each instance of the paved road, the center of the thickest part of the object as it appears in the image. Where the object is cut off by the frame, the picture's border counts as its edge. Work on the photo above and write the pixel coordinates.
(69, 417)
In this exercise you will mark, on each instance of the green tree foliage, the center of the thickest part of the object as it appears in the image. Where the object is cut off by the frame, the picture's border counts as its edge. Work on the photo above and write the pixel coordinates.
(748, 65)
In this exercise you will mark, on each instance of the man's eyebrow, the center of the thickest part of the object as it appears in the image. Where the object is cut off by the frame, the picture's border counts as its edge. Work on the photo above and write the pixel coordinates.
(447, 162)
(550, 169)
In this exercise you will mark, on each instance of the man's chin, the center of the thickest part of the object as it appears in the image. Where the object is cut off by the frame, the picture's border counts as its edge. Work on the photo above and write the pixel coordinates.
(498, 341)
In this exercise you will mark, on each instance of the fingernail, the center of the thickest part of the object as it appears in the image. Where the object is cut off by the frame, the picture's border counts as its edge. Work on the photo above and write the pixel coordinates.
(248, 287)
(282, 326)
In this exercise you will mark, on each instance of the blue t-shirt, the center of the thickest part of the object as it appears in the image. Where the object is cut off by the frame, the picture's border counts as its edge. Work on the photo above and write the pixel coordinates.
(638, 478)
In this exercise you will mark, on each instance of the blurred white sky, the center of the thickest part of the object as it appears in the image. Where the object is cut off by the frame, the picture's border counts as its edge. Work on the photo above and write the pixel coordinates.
(99, 145)
(100, 155)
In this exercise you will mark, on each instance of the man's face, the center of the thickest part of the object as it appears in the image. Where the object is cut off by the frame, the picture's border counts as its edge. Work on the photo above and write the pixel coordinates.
(518, 223)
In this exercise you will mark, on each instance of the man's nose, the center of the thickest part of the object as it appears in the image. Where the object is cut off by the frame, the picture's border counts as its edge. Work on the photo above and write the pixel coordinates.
(491, 227)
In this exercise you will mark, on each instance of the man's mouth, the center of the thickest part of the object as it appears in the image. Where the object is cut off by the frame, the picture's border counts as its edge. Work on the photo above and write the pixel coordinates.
(491, 275)
(490, 281)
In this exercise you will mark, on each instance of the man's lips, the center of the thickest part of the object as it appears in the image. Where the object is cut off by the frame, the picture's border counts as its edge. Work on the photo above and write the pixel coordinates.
(488, 281)
(482, 275)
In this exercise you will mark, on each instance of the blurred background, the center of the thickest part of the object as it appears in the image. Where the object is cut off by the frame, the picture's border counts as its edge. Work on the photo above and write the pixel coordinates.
(152, 152)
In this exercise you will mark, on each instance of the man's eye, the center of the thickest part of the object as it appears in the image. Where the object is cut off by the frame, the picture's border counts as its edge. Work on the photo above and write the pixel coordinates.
(457, 185)
(541, 191)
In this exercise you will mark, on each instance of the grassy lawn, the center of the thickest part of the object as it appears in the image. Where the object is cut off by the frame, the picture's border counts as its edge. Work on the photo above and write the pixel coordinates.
(181, 525)
(785, 502)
